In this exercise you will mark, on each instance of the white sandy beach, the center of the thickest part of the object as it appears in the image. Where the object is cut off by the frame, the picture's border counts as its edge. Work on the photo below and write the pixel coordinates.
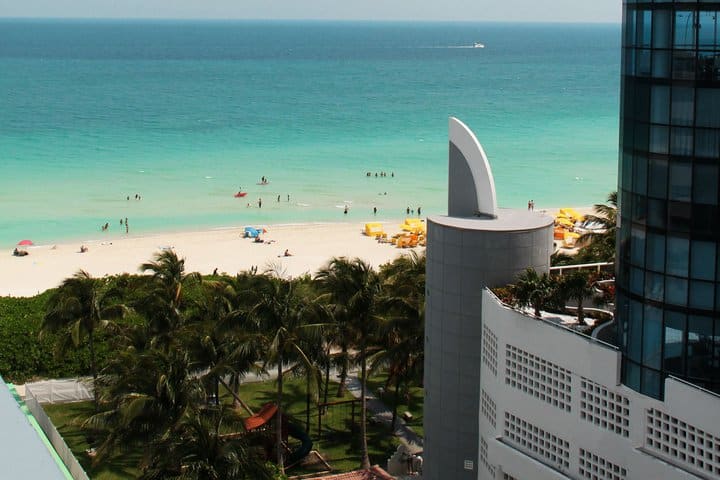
(311, 246)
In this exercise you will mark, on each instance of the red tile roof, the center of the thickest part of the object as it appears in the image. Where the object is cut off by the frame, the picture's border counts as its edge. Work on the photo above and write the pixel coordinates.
(373, 473)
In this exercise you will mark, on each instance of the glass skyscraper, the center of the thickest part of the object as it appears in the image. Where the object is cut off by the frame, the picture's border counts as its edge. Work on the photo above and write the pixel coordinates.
(668, 274)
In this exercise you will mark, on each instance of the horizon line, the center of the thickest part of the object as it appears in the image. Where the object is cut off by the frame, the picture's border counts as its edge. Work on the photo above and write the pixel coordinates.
(317, 20)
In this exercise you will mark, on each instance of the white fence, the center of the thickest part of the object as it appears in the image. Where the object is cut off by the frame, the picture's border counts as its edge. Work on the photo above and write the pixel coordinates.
(57, 391)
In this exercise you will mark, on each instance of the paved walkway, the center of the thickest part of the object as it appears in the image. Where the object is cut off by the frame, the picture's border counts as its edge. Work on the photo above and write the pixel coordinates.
(381, 413)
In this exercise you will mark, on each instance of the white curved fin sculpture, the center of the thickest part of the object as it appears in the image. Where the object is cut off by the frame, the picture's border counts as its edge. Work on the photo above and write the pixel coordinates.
(471, 187)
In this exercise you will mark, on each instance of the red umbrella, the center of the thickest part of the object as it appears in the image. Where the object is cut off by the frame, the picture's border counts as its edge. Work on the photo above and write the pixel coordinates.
(25, 243)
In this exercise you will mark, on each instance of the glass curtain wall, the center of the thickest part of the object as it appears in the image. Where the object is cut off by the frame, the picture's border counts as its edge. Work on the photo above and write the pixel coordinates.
(668, 268)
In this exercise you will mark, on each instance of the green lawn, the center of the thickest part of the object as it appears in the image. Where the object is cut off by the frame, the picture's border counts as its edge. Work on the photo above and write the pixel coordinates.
(67, 418)
(414, 406)
(338, 446)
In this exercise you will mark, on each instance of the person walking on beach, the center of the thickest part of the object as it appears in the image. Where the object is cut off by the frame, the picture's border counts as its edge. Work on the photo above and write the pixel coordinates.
(532, 205)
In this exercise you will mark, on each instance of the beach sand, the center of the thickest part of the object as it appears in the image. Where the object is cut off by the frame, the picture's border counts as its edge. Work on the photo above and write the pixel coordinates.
(311, 246)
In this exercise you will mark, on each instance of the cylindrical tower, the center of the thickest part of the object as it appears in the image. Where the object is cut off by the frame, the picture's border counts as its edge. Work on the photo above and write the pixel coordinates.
(668, 264)
(476, 245)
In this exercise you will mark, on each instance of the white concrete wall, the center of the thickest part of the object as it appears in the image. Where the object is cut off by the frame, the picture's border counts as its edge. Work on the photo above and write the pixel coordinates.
(584, 358)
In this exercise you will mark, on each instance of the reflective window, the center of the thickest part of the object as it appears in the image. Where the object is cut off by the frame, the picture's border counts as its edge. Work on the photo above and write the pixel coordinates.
(708, 106)
(680, 180)
(661, 33)
(637, 247)
(679, 216)
(639, 175)
(644, 28)
(701, 295)
(635, 330)
(703, 260)
(707, 29)
(682, 106)
(657, 213)
(684, 29)
(660, 104)
(676, 290)
(661, 61)
(674, 350)
(681, 143)
(708, 65)
(684, 64)
(707, 143)
(677, 256)
(705, 184)
(700, 347)
(651, 382)
(659, 138)
(636, 281)
(655, 252)
(655, 286)
(657, 181)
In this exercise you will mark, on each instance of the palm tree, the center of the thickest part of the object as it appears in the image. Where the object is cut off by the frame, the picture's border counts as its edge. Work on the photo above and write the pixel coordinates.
(602, 245)
(199, 450)
(162, 305)
(531, 289)
(279, 311)
(81, 306)
(147, 394)
(354, 290)
(575, 286)
(402, 329)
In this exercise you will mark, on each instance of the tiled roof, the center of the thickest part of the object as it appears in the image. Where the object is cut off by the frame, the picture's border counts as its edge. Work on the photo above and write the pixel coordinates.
(373, 473)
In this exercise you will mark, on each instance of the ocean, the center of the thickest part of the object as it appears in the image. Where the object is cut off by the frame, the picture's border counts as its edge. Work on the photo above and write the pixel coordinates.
(185, 113)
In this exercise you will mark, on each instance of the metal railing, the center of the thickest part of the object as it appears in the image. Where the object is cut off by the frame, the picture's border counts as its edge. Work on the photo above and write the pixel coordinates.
(598, 267)
(54, 437)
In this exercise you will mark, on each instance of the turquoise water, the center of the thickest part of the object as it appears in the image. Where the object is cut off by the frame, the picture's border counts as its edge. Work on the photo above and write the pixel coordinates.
(185, 113)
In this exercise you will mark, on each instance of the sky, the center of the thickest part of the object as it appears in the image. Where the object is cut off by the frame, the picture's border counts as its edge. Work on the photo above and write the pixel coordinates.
(595, 11)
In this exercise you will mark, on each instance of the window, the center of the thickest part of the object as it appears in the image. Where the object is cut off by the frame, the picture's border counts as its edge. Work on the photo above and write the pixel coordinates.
(681, 141)
(660, 104)
(707, 29)
(705, 184)
(682, 106)
(703, 260)
(652, 337)
(674, 350)
(656, 252)
(661, 34)
(684, 29)
(676, 290)
(657, 183)
(680, 176)
(708, 104)
(677, 256)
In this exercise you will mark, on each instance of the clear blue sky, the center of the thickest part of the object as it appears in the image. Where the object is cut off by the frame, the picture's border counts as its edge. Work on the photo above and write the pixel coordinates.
(462, 10)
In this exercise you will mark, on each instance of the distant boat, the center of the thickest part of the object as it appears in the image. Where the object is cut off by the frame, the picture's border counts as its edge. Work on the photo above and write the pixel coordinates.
(478, 45)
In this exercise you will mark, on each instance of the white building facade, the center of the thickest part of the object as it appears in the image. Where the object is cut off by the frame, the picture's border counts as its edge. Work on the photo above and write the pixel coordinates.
(553, 407)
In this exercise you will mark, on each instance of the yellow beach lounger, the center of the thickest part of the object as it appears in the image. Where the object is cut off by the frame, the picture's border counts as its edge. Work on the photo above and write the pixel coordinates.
(373, 229)
(572, 214)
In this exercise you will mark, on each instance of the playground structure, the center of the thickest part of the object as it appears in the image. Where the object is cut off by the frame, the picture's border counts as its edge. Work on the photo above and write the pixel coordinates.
(264, 420)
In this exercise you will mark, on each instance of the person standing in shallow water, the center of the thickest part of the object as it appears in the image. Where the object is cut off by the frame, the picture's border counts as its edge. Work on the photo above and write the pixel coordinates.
(374, 210)
(346, 210)
(259, 202)
(419, 211)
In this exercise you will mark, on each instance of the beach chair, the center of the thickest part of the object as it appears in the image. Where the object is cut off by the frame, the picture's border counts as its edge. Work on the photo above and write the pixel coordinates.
(572, 214)
(373, 229)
